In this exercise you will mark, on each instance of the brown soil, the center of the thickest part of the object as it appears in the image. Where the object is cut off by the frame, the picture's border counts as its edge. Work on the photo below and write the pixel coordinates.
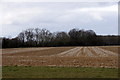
(41, 52)
(64, 56)
(115, 49)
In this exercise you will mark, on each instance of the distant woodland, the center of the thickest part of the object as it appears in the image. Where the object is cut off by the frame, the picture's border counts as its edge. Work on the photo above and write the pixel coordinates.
(44, 38)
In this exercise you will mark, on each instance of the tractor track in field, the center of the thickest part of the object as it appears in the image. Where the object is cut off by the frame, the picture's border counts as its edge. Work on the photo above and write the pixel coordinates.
(87, 52)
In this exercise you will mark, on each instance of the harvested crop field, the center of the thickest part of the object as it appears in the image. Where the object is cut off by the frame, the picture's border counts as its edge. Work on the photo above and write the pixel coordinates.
(62, 56)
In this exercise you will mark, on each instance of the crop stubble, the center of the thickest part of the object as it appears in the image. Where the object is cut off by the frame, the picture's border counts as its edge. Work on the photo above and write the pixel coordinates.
(63, 56)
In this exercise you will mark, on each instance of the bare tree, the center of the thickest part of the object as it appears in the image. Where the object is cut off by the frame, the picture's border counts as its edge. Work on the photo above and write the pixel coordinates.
(29, 34)
(21, 37)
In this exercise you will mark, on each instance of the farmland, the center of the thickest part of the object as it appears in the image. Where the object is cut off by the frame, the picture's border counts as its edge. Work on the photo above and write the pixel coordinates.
(99, 60)
(62, 56)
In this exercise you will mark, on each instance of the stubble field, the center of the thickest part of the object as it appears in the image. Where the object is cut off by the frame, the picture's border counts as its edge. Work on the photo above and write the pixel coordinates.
(60, 62)
(104, 56)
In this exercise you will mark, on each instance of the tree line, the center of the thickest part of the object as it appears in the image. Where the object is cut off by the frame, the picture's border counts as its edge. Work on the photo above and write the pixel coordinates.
(44, 38)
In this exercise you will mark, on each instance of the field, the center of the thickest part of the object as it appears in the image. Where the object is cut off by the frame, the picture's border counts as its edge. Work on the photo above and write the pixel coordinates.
(58, 72)
(96, 59)
(62, 56)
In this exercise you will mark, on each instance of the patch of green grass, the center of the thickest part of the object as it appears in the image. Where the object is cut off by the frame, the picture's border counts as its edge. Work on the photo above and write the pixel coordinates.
(57, 72)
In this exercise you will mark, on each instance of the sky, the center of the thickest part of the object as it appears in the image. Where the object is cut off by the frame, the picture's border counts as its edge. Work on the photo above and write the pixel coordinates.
(102, 17)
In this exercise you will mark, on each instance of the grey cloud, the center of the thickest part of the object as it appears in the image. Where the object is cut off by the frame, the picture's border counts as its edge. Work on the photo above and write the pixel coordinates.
(58, 16)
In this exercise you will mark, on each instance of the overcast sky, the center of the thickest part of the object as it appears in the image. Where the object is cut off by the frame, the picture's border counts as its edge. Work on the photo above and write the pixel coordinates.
(102, 17)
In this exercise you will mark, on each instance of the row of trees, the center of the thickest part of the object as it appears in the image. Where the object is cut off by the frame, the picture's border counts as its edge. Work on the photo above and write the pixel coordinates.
(43, 38)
